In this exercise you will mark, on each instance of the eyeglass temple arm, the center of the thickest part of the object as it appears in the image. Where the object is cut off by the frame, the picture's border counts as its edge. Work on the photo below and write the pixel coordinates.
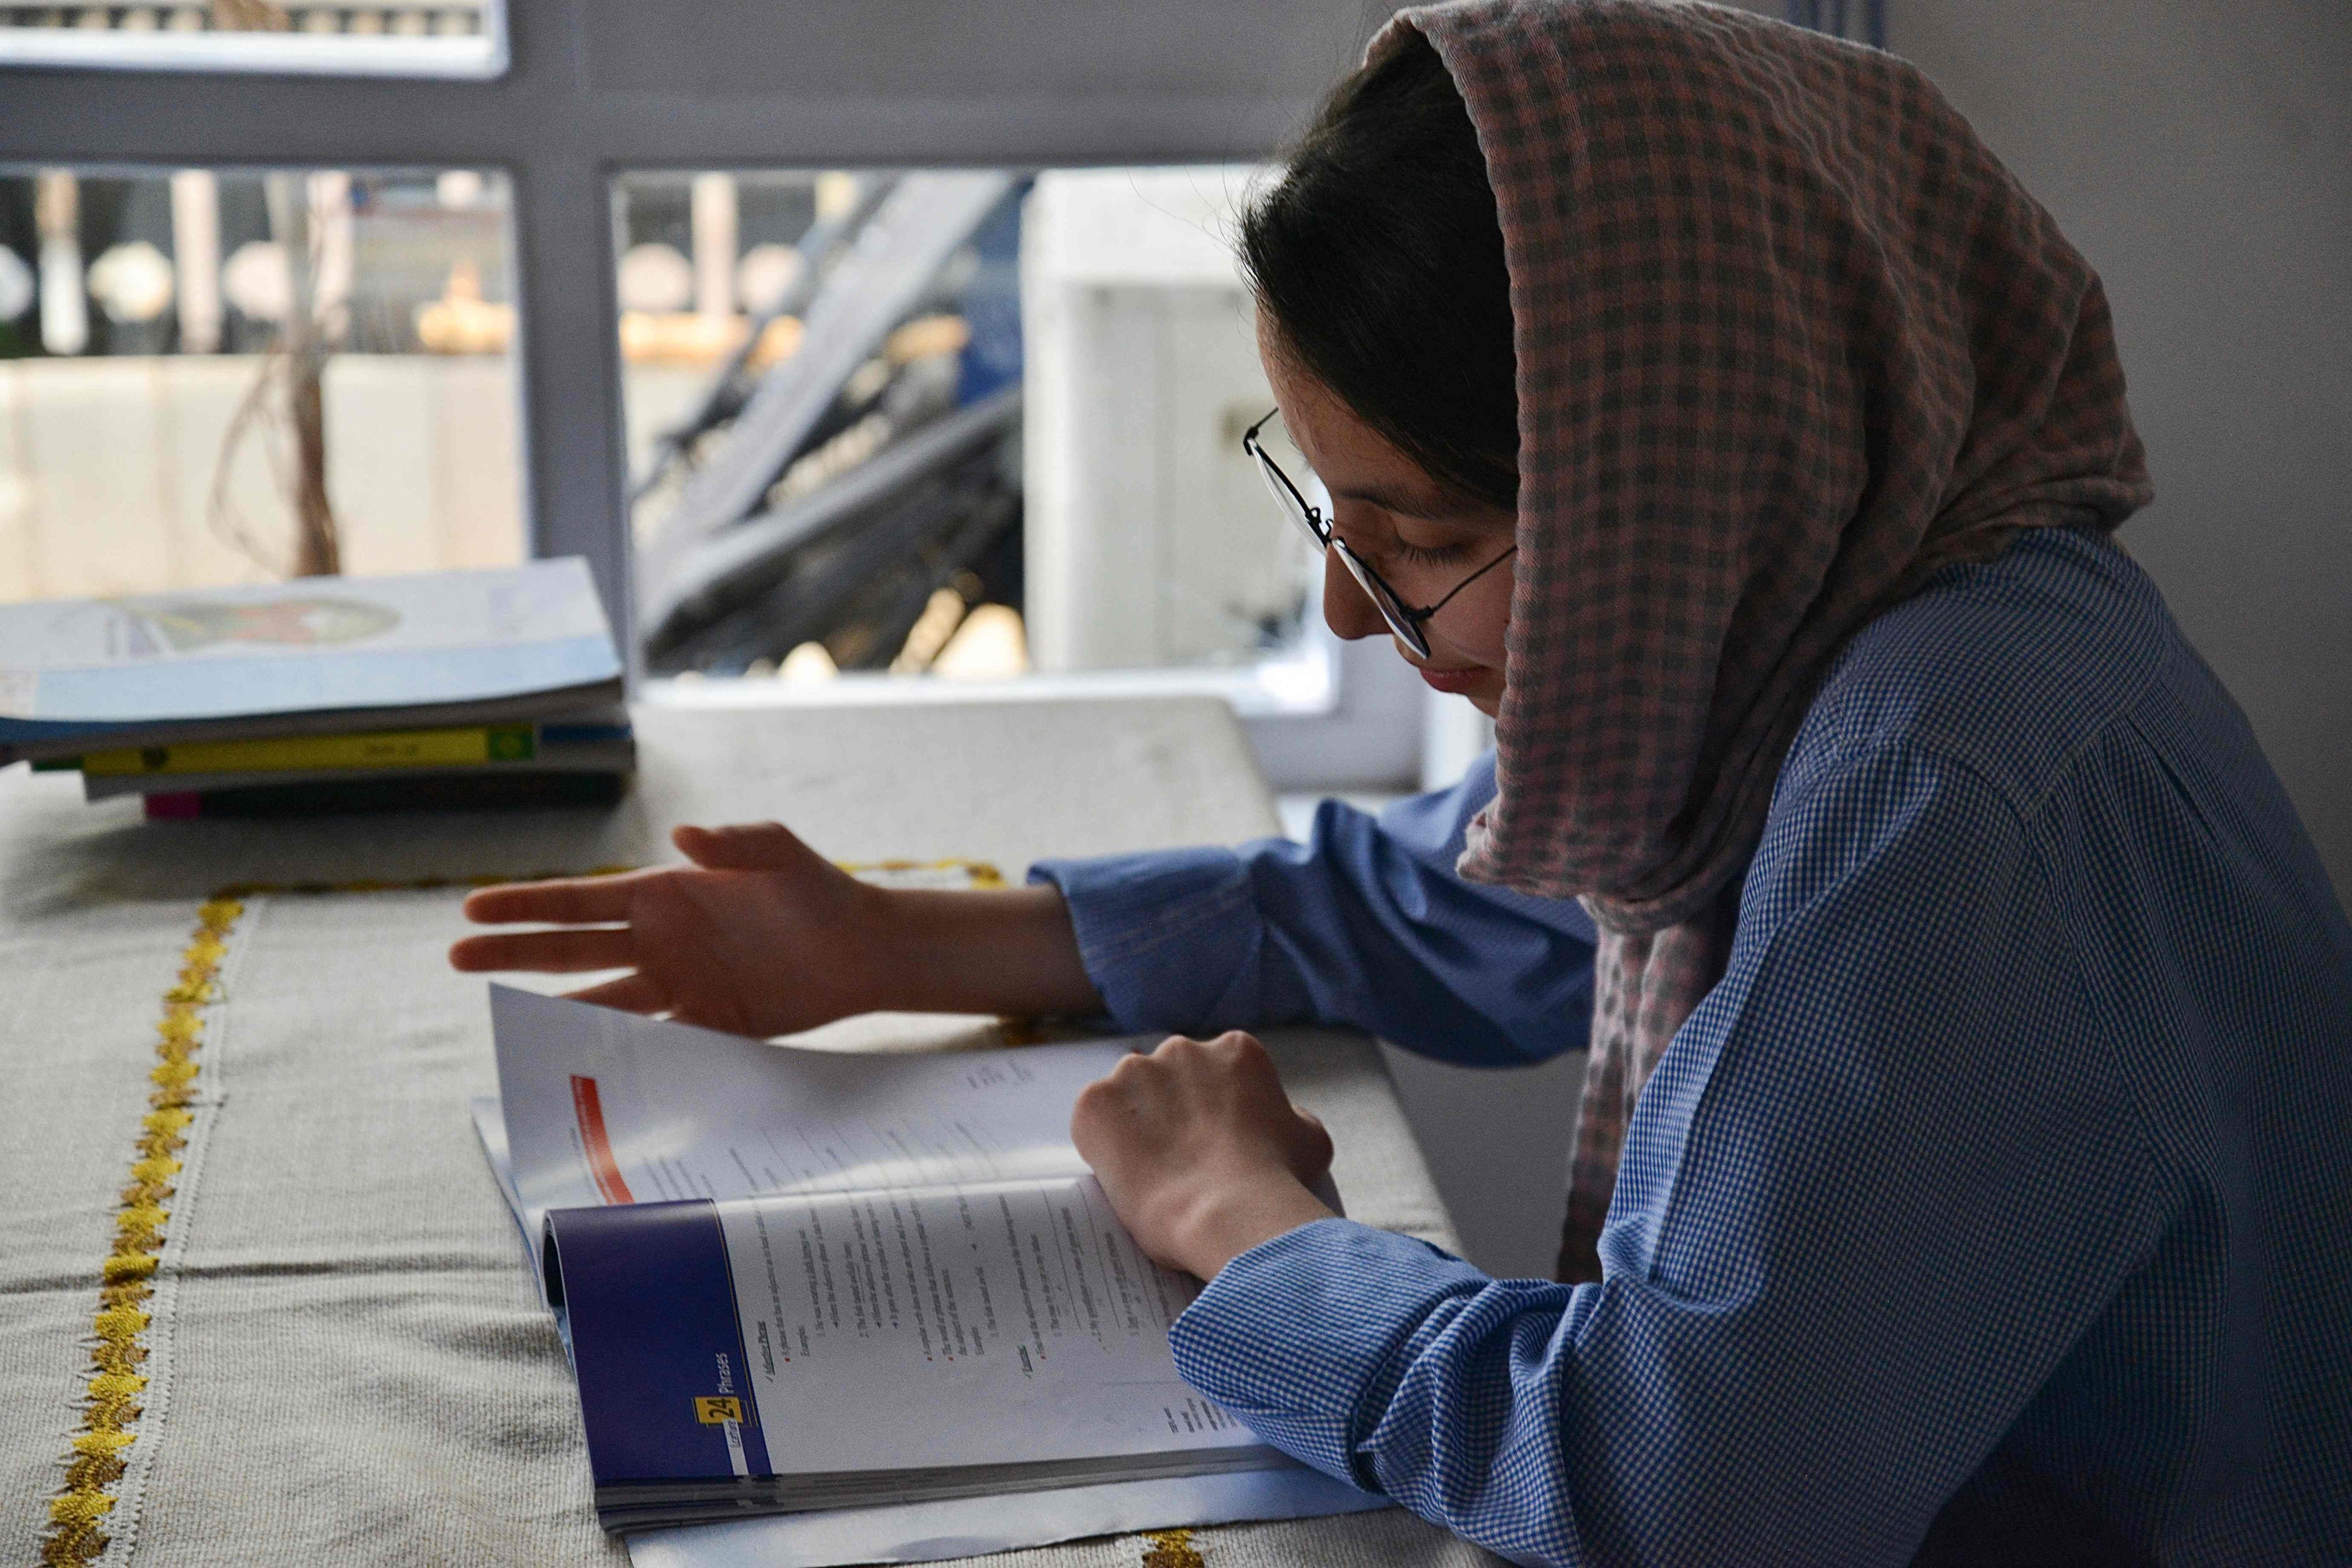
(1421, 616)
(1249, 436)
(1251, 444)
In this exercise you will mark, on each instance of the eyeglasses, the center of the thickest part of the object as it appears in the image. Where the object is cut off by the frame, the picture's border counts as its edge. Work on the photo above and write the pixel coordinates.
(1403, 619)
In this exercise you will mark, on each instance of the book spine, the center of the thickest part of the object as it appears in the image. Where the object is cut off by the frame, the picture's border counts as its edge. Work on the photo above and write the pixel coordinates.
(491, 790)
(476, 746)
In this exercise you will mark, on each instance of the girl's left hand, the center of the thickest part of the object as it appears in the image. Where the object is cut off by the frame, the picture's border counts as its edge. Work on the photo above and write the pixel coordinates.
(1201, 1151)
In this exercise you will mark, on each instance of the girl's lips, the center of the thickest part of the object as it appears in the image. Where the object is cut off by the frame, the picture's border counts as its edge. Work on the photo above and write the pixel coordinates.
(1453, 682)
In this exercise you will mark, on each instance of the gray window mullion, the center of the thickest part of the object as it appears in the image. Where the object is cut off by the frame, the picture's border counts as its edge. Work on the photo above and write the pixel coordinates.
(569, 357)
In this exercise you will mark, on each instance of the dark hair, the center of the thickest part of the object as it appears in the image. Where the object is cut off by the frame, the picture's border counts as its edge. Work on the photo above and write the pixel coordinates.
(1379, 259)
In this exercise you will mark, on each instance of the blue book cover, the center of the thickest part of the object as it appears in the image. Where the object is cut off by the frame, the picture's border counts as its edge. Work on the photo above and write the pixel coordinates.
(647, 1303)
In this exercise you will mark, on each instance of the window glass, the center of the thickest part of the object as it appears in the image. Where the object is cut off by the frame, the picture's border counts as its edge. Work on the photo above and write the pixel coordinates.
(384, 38)
(221, 377)
(967, 422)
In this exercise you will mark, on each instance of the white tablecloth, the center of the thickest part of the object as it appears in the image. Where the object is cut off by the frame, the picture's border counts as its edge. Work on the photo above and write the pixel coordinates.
(346, 1362)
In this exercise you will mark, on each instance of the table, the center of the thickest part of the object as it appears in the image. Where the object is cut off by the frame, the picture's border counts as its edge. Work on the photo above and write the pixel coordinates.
(343, 1360)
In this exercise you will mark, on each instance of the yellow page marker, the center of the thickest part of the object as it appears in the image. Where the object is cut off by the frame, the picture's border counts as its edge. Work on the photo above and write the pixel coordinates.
(388, 749)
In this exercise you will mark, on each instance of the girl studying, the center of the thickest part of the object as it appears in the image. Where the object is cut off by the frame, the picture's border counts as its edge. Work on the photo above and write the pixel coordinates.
(1960, 1172)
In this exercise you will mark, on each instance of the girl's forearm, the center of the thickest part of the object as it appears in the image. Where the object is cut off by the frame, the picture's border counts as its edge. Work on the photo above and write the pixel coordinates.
(1007, 950)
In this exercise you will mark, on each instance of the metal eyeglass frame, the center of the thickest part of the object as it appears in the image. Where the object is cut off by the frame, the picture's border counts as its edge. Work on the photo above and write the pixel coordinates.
(1403, 619)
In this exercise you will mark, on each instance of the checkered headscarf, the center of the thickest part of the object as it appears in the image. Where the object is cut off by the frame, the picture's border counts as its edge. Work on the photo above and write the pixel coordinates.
(1789, 340)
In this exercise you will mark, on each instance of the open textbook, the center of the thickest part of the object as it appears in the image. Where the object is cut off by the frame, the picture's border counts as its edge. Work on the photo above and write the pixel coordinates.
(798, 1279)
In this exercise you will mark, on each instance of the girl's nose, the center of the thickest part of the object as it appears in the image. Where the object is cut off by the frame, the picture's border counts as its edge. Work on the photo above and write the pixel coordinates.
(1348, 610)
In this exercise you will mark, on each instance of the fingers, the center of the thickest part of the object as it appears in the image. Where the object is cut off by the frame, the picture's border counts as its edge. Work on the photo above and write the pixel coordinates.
(1096, 1105)
(1229, 1049)
(630, 994)
(573, 951)
(1124, 1093)
(748, 846)
(1232, 1053)
(1241, 1061)
(570, 901)
(1313, 1150)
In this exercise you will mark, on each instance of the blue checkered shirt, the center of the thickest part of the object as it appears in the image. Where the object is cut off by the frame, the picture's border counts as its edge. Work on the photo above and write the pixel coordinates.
(1995, 1207)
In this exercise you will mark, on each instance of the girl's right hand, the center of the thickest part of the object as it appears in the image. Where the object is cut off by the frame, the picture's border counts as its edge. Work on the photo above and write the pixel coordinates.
(762, 935)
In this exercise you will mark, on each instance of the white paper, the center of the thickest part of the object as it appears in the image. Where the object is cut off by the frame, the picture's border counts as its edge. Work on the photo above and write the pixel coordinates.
(868, 1316)
(692, 1113)
(930, 1531)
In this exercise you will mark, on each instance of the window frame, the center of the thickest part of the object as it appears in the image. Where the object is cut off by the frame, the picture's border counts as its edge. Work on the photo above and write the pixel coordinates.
(561, 138)
(478, 57)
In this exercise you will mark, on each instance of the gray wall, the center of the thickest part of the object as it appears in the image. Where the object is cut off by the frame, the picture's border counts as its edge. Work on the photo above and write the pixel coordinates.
(2201, 155)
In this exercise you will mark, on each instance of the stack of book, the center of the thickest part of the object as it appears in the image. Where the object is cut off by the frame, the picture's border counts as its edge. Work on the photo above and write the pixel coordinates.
(458, 689)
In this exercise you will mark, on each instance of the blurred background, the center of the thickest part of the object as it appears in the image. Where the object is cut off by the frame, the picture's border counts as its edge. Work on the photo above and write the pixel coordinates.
(858, 407)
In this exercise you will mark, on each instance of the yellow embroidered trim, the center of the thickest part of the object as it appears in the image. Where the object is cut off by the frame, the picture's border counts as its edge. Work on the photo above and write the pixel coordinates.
(1172, 1549)
(95, 1461)
(982, 873)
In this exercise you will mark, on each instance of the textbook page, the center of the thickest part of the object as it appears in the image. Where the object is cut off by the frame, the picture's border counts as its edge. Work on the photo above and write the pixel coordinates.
(1021, 1307)
(606, 1107)
(869, 1337)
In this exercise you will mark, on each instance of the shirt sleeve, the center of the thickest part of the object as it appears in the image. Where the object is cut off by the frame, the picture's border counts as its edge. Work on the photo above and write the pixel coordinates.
(1883, 1180)
(1366, 924)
